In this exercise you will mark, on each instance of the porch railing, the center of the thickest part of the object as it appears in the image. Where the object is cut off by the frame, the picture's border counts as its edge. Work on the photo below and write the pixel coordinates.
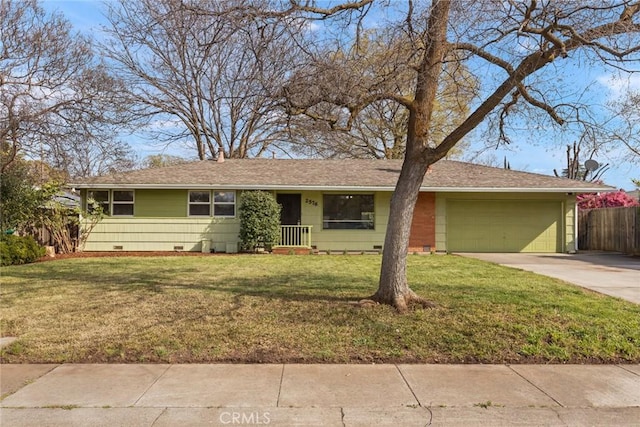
(295, 236)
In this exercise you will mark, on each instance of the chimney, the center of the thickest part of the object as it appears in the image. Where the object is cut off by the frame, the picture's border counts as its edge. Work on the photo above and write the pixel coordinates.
(220, 157)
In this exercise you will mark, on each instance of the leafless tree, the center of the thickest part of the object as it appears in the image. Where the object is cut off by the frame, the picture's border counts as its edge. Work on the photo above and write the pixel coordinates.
(53, 92)
(578, 170)
(162, 160)
(206, 69)
(626, 116)
(103, 155)
(615, 138)
(515, 48)
(379, 130)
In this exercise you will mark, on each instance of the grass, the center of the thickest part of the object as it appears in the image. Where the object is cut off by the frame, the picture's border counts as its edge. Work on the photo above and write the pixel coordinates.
(296, 309)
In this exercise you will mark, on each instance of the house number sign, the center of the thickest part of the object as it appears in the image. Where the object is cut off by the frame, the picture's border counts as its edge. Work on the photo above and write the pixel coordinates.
(311, 202)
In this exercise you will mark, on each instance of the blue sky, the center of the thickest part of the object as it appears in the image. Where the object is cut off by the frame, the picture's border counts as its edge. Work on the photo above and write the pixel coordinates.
(538, 156)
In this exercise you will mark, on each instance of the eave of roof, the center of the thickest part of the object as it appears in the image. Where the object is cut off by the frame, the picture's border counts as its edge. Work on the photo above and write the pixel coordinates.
(340, 188)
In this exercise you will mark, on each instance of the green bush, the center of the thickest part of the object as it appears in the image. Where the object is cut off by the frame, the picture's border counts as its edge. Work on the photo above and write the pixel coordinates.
(19, 250)
(259, 220)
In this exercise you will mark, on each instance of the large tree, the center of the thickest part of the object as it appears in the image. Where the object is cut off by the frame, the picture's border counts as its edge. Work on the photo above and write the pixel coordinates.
(56, 98)
(516, 48)
(204, 72)
(379, 130)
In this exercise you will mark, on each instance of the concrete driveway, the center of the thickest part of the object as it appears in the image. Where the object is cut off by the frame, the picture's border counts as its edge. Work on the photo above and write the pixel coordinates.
(609, 273)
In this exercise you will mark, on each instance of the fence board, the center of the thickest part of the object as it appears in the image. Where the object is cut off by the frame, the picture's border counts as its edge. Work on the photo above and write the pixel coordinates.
(610, 229)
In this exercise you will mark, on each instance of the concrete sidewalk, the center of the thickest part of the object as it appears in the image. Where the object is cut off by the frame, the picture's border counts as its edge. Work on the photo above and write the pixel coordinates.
(609, 273)
(320, 395)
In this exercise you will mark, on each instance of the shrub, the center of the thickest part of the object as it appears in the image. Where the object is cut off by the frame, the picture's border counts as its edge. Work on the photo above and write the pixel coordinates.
(19, 250)
(259, 220)
(615, 199)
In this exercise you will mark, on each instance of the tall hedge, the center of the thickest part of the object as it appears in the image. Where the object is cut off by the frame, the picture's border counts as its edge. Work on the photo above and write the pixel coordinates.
(259, 220)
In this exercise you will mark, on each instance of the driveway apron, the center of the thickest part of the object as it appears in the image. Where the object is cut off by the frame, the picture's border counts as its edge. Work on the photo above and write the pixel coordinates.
(612, 274)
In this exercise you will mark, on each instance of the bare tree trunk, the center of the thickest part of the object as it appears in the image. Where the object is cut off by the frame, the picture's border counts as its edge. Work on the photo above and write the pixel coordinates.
(394, 288)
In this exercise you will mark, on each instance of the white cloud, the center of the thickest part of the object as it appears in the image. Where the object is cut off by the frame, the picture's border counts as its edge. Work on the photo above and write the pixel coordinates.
(311, 26)
(619, 85)
(164, 124)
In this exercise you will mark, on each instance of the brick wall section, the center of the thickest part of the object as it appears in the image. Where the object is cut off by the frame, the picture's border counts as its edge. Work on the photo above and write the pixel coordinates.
(423, 225)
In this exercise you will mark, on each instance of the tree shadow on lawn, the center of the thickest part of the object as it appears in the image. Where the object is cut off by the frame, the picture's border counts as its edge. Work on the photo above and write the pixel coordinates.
(288, 287)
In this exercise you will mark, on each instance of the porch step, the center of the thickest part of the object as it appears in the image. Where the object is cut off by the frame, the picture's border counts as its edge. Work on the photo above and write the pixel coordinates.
(287, 250)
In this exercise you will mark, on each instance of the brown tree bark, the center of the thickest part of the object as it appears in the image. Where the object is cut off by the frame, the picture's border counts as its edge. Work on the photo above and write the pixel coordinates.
(393, 288)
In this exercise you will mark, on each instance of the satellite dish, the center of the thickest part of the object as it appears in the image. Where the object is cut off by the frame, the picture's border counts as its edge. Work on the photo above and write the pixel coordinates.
(591, 165)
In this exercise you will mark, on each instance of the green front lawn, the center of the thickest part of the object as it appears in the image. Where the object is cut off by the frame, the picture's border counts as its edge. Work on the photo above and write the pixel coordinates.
(296, 309)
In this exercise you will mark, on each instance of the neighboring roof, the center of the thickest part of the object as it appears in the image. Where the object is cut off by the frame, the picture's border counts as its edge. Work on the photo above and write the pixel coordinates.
(68, 199)
(333, 174)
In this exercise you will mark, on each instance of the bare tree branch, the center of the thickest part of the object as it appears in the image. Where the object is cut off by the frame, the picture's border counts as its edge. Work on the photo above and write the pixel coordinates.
(214, 67)
(484, 55)
(54, 92)
(307, 7)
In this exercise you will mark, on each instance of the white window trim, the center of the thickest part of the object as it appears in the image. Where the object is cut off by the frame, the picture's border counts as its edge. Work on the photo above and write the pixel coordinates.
(189, 203)
(113, 202)
(214, 203)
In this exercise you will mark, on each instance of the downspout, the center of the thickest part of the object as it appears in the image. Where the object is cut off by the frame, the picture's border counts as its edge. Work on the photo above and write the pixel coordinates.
(563, 226)
(575, 227)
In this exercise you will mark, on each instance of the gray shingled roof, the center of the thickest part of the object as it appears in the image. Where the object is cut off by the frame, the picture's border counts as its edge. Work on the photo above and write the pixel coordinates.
(339, 174)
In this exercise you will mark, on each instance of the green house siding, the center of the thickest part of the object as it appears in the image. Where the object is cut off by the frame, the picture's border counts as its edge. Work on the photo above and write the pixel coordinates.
(469, 222)
(161, 203)
(164, 234)
(160, 223)
(153, 203)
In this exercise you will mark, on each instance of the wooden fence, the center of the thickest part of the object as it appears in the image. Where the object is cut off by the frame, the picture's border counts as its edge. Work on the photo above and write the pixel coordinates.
(610, 229)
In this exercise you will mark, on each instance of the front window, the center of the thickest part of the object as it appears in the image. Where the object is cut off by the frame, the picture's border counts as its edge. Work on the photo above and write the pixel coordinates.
(199, 203)
(348, 211)
(98, 199)
(224, 203)
(122, 202)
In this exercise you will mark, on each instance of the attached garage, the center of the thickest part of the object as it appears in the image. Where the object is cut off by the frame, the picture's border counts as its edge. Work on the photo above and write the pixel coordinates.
(504, 226)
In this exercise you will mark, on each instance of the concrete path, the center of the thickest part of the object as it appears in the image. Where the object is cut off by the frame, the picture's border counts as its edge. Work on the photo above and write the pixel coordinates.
(612, 274)
(320, 395)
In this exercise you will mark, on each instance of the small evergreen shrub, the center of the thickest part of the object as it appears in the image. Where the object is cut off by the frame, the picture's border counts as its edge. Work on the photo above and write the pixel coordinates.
(19, 250)
(259, 220)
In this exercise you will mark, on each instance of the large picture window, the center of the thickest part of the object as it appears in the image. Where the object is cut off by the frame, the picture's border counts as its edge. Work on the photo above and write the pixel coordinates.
(224, 203)
(348, 211)
(199, 203)
(122, 204)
